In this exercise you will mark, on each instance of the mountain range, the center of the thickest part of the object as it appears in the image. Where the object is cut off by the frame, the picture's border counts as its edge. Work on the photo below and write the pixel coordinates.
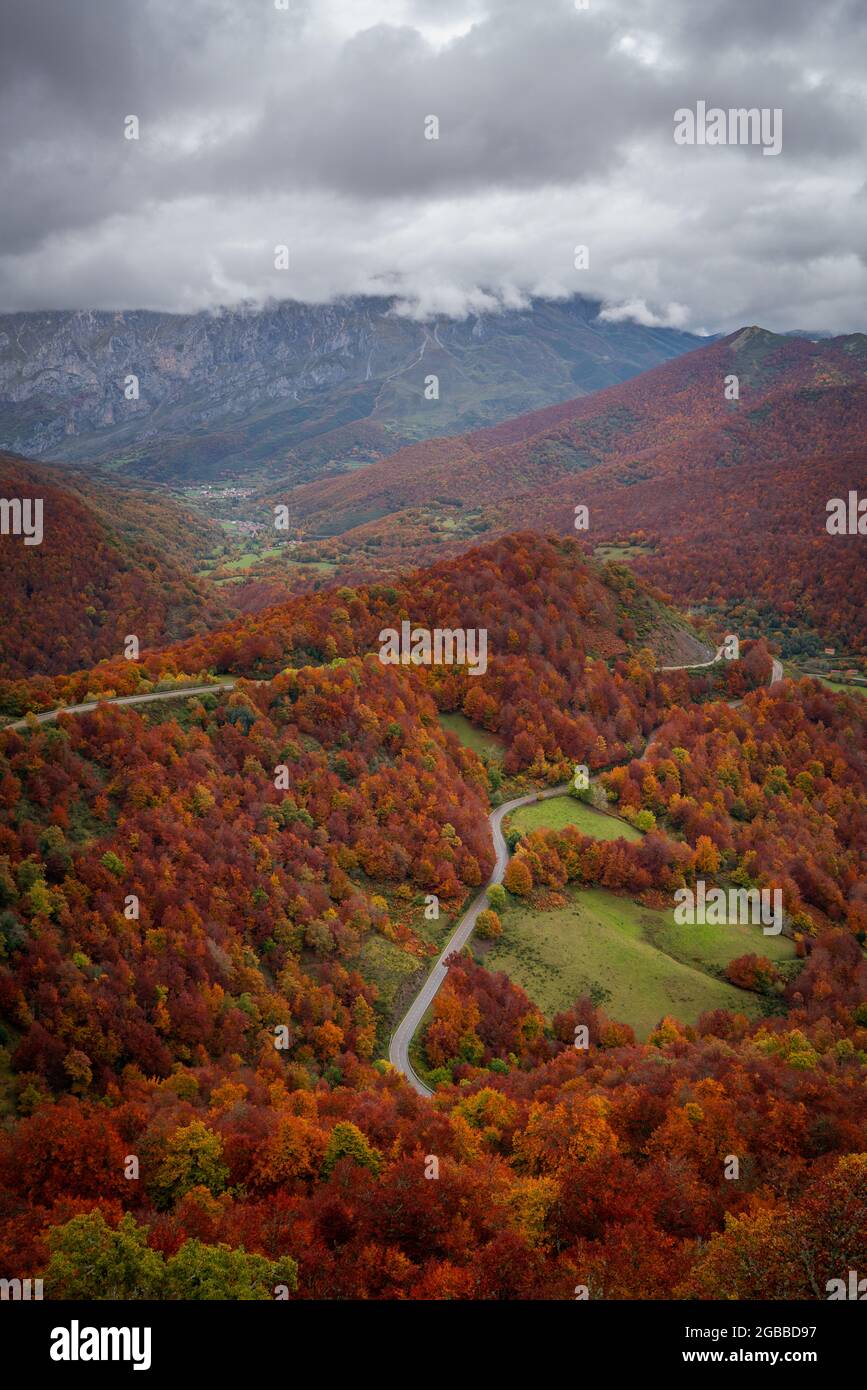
(723, 499)
(293, 388)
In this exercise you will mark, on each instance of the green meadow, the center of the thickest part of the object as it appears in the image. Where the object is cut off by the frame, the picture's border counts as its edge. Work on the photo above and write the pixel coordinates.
(560, 811)
(471, 737)
(632, 960)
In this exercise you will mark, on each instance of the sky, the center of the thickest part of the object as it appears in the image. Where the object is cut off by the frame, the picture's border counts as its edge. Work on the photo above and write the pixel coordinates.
(302, 123)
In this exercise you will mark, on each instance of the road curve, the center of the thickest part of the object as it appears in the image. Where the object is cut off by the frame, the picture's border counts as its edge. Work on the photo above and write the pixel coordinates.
(694, 665)
(398, 1051)
(776, 667)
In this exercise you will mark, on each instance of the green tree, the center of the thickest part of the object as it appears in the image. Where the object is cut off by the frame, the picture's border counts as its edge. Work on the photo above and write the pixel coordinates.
(92, 1260)
(497, 897)
(193, 1158)
(347, 1141)
(200, 1271)
(55, 852)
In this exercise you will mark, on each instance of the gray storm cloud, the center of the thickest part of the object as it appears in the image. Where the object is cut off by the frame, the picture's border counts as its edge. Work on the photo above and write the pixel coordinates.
(305, 127)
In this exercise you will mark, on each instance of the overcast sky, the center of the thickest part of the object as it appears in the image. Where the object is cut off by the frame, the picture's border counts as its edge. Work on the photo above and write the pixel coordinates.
(262, 126)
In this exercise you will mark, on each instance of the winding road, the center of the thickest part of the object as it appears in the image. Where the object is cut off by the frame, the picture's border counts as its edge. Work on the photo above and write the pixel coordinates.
(398, 1052)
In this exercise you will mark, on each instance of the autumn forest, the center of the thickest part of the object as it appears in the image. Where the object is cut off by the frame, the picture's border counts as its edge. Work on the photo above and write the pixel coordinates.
(433, 685)
(171, 910)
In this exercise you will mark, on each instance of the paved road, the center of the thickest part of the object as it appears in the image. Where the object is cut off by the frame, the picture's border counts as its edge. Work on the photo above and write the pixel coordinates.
(398, 1051)
(694, 665)
(48, 715)
(776, 667)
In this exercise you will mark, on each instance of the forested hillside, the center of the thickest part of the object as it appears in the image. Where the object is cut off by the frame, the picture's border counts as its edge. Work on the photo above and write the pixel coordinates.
(726, 498)
(193, 897)
(110, 562)
(541, 601)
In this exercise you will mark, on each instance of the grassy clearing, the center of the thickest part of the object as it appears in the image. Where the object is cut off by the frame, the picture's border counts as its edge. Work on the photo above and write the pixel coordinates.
(471, 737)
(256, 559)
(620, 552)
(709, 947)
(630, 959)
(386, 965)
(242, 562)
(841, 687)
(560, 811)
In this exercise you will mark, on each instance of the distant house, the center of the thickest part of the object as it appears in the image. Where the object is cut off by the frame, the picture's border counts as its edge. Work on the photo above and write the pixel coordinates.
(829, 651)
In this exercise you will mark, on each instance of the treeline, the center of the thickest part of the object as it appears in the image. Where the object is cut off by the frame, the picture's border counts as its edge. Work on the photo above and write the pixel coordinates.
(568, 678)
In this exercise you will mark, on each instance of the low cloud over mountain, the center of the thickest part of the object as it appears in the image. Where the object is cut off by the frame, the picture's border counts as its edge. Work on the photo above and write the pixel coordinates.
(305, 127)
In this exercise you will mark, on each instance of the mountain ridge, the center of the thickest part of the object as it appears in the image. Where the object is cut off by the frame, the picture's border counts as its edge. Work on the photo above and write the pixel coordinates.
(293, 386)
(600, 426)
(702, 481)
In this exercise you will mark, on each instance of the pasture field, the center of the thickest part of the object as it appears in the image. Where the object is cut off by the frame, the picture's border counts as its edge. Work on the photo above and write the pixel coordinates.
(632, 960)
(560, 811)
